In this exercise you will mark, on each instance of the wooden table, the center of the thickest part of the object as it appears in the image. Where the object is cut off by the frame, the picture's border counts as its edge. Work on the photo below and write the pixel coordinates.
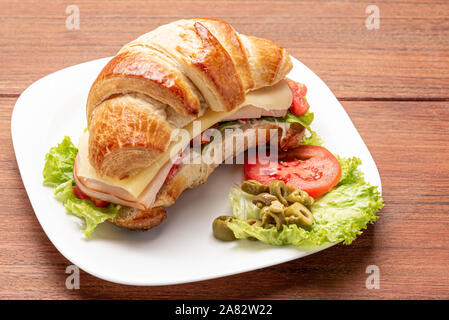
(394, 83)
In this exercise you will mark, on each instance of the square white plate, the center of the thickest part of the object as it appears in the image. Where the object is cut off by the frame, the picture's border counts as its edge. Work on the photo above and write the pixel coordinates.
(182, 249)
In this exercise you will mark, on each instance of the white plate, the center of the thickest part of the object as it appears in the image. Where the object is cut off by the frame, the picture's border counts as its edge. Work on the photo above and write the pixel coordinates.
(183, 248)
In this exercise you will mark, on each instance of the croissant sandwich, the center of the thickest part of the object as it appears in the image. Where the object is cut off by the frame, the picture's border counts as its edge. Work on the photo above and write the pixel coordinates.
(182, 73)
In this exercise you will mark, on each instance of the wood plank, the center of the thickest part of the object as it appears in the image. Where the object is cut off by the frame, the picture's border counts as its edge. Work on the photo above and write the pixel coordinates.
(409, 243)
(407, 58)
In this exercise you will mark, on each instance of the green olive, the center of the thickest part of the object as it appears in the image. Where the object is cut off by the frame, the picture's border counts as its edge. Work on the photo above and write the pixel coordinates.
(270, 219)
(276, 207)
(280, 190)
(254, 222)
(221, 229)
(301, 197)
(254, 187)
(298, 214)
(264, 199)
(265, 210)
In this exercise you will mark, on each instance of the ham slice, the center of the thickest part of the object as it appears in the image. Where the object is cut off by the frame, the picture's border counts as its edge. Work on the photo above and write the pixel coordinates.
(103, 191)
(251, 112)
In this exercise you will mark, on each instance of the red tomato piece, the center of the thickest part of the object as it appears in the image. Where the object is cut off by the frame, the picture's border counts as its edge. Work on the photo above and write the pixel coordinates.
(299, 105)
(80, 194)
(99, 203)
(176, 164)
(172, 172)
(77, 192)
(205, 136)
(310, 168)
(297, 87)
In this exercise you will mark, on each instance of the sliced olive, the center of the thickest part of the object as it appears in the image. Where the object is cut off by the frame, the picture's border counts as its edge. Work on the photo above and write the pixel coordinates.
(254, 222)
(221, 229)
(276, 207)
(300, 196)
(280, 190)
(270, 219)
(298, 214)
(264, 199)
(254, 187)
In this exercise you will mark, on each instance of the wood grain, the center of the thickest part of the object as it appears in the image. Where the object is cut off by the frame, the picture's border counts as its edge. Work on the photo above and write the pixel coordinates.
(409, 243)
(407, 60)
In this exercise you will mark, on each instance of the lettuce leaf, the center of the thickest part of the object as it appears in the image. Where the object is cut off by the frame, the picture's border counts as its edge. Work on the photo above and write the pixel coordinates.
(58, 173)
(84, 208)
(339, 215)
(242, 206)
(349, 172)
(305, 120)
(225, 124)
(312, 139)
(59, 163)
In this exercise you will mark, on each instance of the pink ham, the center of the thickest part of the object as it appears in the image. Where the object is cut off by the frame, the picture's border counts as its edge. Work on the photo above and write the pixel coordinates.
(103, 191)
(251, 112)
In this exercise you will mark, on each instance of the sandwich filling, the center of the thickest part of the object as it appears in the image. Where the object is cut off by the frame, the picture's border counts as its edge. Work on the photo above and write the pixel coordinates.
(140, 190)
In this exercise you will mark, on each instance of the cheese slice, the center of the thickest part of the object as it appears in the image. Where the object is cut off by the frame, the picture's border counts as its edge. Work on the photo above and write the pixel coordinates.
(275, 97)
(270, 98)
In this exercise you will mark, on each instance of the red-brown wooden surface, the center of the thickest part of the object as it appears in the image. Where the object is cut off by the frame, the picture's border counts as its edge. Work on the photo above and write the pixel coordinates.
(394, 83)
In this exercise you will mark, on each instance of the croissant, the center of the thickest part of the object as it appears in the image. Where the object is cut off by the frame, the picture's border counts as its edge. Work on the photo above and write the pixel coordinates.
(160, 82)
(165, 79)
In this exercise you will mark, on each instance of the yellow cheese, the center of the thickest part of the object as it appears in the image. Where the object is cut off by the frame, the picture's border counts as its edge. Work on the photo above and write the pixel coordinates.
(276, 97)
(271, 98)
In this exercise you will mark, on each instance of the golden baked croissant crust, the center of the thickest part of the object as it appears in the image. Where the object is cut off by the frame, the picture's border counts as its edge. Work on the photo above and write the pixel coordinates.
(165, 79)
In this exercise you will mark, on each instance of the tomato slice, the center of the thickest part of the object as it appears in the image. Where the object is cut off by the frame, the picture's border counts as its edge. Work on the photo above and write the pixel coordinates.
(310, 168)
(172, 172)
(80, 194)
(77, 192)
(299, 105)
(206, 136)
(99, 203)
(297, 87)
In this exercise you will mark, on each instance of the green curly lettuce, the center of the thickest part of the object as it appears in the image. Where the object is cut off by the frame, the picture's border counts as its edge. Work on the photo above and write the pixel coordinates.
(59, 163)
(349, 172)
(242, 206)
(305, 120)
(84, 208)
(58, 174)
(311, 137)
(339, 215)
